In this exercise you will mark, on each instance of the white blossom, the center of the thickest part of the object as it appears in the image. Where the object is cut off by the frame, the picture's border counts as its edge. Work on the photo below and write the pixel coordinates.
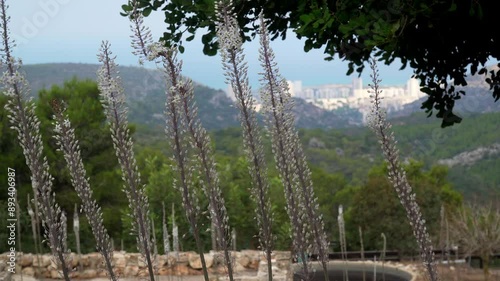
(397, 176)
(113, 101)
(68, 144)
(235, 71)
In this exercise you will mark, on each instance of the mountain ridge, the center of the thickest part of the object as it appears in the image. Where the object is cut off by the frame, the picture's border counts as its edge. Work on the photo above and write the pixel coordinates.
(145, 92)
(419, 137)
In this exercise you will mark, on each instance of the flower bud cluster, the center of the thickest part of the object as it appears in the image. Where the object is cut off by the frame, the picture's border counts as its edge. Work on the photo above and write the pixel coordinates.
(69, 146)
(235, 70)
(303, 209)
(113, 101)
(24, 121)
(397, 176)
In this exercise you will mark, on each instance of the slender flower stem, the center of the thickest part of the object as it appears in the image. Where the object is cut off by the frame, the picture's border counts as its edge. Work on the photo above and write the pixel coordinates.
(35, 232)
(112, 98)
(69, 145)
(24, 121)
(166, 236)
(236, 72)
(176, 126)
(289, 155)
(176, 133)
(343, 246)
(200, 142)
(396, 174)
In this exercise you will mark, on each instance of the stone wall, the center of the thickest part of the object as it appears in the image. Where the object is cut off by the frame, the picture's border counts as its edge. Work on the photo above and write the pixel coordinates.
(88, 266)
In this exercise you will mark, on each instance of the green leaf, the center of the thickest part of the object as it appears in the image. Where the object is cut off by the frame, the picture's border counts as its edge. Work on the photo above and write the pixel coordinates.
(306, 18)
(473, 69)
(350, 71)
(190, 38)
(395, 27)
(308, 45)
(146, 12)
(206, 38)
(157, 4)
(127, 8)
(181, 49)
(453, 7)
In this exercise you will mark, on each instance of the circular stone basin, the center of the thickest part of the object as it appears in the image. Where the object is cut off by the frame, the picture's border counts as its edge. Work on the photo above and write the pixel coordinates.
(356, 271)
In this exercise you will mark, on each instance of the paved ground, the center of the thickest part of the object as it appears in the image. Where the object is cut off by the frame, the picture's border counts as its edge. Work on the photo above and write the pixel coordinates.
(17, 277)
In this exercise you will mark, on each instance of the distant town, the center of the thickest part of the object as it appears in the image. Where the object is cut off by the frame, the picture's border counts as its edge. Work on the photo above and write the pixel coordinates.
(354, 95)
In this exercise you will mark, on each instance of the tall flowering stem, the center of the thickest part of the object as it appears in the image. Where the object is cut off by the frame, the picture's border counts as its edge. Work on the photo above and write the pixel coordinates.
(289, 155)
(69, 146)
(176, 126)
(113, 100)
(343, 244)
(24, 121)
(166, 236)
(235, 69)
(397, 176)
(201, 143)
(179, 139)
(141, 38)
(34, 229)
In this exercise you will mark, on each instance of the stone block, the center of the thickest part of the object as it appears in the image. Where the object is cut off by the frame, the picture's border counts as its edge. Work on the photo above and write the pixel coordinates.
(195, 261)
(28, 271)
(88, 274)
(25, 260)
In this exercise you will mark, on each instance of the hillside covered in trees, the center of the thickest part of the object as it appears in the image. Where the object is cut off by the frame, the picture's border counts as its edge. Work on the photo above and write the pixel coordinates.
(346, 168)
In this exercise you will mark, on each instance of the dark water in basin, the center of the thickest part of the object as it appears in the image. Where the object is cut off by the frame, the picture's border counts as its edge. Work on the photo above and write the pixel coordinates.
(337, 275)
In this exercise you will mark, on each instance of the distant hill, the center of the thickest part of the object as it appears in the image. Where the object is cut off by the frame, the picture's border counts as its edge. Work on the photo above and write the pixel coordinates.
(337, 142)
(478, 98)
(145, 88)
(145, 91)
(471, 150)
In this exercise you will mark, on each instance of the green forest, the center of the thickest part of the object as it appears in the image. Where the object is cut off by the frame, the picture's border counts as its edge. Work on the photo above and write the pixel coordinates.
(347, 169)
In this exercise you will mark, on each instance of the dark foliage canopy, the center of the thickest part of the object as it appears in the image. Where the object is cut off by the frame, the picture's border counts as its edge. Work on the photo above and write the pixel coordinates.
(442, 41)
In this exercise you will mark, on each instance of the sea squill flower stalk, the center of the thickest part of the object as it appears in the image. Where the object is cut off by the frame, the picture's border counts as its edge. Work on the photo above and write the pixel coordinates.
(153, 241)
(179, 139)
(69, 146)
(113, 100)
(289, 155)
(175, 235)
(18, 226)
(343, 245)
(76, 229)
(362, 250)
(235, 69)
(397, 176)
(444, 235)
(34, 230)
(178, 129)
(24, 121)
(166, 236)
(205, 162)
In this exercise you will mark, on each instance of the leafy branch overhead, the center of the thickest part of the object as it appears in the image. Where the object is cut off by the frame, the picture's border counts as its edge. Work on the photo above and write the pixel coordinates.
(442, 41)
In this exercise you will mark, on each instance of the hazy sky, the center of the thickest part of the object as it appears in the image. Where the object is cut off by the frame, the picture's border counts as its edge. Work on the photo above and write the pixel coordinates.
(72, 30)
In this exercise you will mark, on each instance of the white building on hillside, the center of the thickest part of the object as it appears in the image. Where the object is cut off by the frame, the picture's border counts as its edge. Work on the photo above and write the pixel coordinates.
(295, 87)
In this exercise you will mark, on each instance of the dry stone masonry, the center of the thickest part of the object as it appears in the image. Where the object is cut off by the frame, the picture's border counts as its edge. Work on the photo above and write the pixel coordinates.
(249, 263)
